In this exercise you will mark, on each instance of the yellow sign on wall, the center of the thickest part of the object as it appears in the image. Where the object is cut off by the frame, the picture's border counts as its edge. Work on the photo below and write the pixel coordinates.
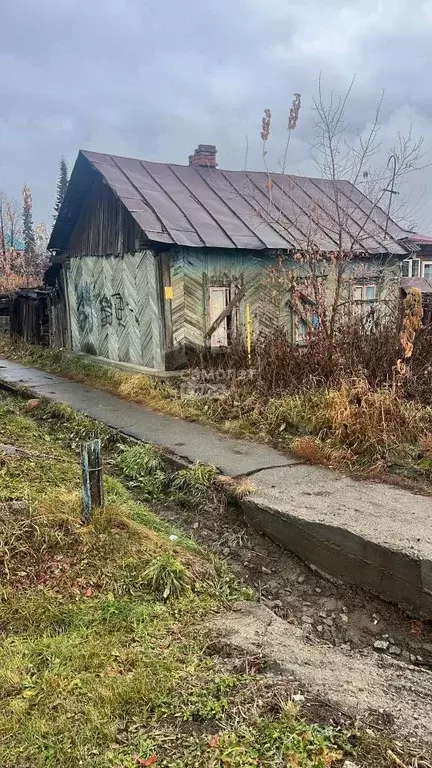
(168, 293)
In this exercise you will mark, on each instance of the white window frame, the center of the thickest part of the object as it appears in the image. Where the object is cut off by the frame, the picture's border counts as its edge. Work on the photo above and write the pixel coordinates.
(364, 299)
(410, 267)
(426, 263)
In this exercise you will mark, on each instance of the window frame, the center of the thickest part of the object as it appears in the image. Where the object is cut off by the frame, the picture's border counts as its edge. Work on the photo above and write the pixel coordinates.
(410, 263)
(426, 264)
(363, 287)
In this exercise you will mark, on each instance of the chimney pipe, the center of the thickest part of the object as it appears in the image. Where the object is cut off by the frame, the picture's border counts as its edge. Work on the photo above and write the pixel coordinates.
(204, 156)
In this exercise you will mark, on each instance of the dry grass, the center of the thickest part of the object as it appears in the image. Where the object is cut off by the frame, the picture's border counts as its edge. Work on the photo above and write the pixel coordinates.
(104, 659)
(349, 411)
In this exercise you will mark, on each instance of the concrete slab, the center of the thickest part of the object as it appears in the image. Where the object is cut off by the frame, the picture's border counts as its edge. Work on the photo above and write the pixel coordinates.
(358, 682)
(131, 367)
(370, 534)
(192, 442)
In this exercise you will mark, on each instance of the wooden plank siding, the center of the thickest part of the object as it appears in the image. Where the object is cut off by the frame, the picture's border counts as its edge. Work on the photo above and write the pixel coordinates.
(115, 307)
(104, 227)
(195, 270)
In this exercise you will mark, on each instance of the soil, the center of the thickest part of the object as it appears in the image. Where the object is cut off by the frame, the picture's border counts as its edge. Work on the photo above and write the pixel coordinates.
(339, 614)
(360, 653)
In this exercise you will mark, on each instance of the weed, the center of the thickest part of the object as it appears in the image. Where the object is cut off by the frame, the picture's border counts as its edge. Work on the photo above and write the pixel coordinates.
(143, 468)
(166, 577)
(195, 486)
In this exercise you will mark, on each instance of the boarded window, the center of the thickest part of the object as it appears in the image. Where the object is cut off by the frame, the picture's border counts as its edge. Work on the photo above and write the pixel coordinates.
(218, 300)
(224, 298)
(301, 330)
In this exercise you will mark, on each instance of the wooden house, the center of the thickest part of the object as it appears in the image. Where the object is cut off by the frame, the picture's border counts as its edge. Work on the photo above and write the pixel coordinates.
(157, 261)
(417, 273)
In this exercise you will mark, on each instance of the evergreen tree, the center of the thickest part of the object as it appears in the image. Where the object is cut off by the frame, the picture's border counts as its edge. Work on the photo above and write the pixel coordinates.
(61, 186)
(28, 230)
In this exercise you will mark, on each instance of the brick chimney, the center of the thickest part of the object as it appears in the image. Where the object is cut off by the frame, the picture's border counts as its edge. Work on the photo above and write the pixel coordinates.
(204, 155)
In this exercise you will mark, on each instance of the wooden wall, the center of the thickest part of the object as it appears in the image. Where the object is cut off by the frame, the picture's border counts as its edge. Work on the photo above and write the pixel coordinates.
(193, 271)
(105, 227)
(114, 307)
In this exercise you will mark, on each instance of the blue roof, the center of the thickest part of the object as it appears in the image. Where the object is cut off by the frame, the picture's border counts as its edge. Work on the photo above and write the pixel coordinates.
(17, 244)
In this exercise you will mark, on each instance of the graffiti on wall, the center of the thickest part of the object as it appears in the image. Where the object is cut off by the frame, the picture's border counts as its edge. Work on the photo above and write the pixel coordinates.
(84, 307)
(112, 307)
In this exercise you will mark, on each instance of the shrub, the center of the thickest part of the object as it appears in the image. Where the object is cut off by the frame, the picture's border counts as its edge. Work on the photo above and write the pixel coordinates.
(195, 486)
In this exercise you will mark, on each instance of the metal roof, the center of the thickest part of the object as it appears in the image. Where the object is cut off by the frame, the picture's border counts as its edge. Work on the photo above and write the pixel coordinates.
(422, 284)
(420, 239)
(207, 207)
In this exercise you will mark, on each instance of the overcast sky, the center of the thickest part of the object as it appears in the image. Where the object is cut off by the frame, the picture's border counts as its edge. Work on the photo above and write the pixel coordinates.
(153, 78)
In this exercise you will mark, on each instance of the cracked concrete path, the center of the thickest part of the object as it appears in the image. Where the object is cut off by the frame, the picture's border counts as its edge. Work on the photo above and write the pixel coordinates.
(370, 534)
(357, 681)
(187, 440)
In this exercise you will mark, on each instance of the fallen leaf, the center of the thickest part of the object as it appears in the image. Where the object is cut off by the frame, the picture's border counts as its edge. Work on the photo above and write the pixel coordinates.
(214, 741)
(89, 592)
(31, 405)
(145, 762)
(416, 628)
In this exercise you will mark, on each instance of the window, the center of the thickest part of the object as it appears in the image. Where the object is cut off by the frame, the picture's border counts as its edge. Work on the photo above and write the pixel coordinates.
(411, 268)
(427, 269)
(316, 322)
(370, 293)
(301, 330)
(220, 299)
(364, 293)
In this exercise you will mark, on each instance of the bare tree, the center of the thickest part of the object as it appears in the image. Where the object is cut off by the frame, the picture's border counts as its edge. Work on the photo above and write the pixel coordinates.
(320, 285)
(13, 222)
(3, 204)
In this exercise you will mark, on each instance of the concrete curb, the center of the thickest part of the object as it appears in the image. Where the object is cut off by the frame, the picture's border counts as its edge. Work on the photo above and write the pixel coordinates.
(393, 574)
(338, 552)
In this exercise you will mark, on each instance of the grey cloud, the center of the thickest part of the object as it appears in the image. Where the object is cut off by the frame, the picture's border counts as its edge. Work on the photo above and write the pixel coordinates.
(153, 78)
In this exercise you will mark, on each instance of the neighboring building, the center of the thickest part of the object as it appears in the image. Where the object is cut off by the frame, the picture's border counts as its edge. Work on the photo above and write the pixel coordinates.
(156, 261)
(14, 244)
(417, 273)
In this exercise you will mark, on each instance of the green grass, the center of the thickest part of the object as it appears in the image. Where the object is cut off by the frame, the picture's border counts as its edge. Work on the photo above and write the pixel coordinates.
(105, 654)
(374, 433)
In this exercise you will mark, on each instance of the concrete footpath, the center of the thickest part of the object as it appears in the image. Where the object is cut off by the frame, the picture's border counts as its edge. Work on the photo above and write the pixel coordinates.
(370, 534)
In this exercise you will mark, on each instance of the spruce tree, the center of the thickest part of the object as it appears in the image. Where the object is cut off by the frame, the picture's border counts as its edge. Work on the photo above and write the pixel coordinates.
(28, 230)
(61, 186)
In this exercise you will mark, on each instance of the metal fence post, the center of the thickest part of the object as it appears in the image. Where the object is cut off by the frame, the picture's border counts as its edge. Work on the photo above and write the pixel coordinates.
(92, 478)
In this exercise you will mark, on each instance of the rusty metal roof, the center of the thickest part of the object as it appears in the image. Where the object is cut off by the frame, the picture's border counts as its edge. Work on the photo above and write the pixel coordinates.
(207, 207)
